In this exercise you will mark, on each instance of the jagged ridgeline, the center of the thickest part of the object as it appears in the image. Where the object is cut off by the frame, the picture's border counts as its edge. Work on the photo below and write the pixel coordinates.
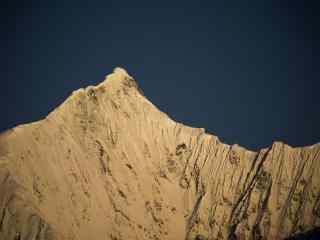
(107, 164)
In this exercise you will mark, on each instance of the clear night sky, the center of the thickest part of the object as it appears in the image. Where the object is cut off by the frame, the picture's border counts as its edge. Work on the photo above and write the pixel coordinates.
(248, 72)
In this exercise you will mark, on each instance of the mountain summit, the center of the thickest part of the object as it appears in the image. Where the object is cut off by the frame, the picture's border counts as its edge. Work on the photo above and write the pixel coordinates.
(107, 164)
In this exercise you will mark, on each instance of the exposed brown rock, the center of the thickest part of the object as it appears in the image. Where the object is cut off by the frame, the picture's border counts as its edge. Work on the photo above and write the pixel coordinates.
(107, 164)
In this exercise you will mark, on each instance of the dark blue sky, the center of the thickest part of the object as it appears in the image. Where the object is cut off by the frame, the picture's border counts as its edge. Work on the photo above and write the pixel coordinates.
(247, 71)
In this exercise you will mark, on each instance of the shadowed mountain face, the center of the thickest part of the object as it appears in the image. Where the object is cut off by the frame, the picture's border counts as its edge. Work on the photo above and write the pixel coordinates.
(107, 164)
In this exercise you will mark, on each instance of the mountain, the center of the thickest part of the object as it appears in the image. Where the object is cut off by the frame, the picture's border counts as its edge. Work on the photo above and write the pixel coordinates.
(108, 164)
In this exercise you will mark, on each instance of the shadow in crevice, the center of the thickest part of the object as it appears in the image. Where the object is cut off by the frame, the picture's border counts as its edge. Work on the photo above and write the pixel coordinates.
(313, 234)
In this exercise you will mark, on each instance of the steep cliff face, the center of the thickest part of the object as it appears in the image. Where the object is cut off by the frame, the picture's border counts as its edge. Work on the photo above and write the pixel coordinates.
(107, 164)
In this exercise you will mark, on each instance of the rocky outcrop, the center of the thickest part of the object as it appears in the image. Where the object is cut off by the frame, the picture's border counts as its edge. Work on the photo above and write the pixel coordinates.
(107, 164)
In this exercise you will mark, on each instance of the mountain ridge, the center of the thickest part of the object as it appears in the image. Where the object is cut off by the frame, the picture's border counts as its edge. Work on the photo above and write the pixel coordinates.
(107, 163)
